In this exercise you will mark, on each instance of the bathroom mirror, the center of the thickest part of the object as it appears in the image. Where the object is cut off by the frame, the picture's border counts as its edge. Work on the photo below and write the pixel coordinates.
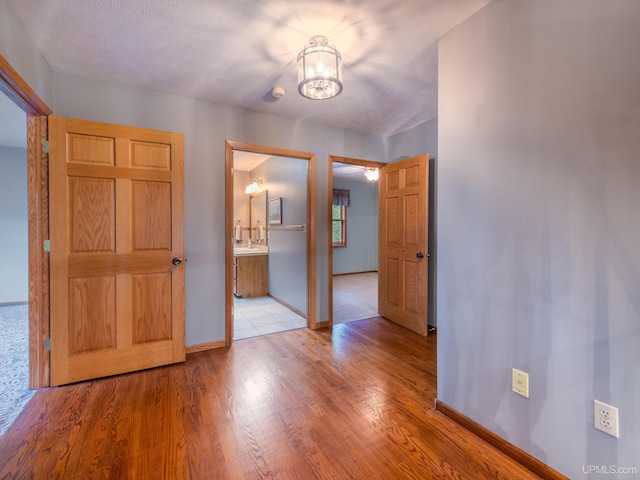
(258, 217)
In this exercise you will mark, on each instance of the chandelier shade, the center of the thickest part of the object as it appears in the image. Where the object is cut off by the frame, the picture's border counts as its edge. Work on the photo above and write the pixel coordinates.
(319, 70)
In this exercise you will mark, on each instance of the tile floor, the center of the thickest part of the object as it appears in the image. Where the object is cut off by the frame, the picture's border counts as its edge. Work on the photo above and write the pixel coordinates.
(354, 297)
(262, 315)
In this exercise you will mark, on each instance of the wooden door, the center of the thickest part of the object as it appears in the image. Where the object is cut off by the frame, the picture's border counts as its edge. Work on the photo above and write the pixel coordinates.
(116, 203)
(402, 242)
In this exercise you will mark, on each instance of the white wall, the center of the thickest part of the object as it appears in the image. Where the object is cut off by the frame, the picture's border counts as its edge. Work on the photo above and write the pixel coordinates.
(361, 252)
(206, 126)
(538, 226)
(14, 240)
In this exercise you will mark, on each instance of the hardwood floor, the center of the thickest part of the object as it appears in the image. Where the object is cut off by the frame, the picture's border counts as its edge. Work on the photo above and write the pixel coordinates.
(355, 403)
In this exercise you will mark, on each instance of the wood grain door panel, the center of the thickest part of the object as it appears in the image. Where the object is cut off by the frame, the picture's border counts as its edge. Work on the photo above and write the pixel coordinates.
(92, 215)
(90, 150)
(94, 298)
(151, 294)
(403, 207)
(116, 198)
(152, 211)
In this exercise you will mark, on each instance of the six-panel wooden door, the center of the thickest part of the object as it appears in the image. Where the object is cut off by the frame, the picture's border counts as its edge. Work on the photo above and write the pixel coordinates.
(402, 242)
(117, 249)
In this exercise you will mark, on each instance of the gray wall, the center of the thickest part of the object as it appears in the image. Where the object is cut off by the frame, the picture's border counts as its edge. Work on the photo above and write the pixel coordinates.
(18, 49)
(422, 138)
(287, 178)
(14, 274)
(538, 226)
(241, 202)
(206, 126)
(361, 252)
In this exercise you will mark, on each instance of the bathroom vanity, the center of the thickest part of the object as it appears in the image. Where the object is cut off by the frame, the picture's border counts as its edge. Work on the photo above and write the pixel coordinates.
(250, 272)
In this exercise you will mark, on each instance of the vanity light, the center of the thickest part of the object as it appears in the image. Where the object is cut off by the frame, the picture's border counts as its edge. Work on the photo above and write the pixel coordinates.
(253, 186)
(319, 70)
(371, 174)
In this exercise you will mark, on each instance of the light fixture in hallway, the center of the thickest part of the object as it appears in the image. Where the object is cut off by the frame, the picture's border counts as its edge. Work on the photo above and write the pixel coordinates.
(319, 70)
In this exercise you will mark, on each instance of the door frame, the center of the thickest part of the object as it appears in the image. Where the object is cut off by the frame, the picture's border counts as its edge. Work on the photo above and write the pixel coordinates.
(350, 161)
(230, 147)
(18, 90)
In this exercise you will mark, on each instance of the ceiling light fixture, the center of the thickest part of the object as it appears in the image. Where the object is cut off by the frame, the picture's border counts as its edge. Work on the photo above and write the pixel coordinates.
(371, 174)
(319, 70)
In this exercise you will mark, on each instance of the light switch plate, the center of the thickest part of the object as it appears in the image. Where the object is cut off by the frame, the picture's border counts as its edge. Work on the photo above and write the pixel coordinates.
(520, 382)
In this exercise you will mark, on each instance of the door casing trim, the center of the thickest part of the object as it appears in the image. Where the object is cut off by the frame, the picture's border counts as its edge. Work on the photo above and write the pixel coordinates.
(19, 91)
(350, 161)
(230, 147)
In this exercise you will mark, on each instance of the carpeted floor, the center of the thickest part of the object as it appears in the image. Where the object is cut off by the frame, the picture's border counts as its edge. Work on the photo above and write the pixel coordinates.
(355, 297)
(14, 363)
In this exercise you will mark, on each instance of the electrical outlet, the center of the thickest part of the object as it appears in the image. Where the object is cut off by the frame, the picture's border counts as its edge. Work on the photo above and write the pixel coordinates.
(606, 418)
(520, 382)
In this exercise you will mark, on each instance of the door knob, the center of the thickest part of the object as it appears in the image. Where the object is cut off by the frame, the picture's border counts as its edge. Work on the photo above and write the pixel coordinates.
(176, 261)
(419, 255)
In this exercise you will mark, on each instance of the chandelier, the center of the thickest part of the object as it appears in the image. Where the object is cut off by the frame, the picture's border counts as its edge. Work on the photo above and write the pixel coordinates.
(319, 70)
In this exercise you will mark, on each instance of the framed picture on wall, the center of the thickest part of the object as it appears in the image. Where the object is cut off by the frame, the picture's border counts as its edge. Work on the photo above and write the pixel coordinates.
(275, 211)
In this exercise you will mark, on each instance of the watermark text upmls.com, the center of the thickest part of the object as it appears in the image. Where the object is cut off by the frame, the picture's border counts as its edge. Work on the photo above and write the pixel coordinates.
(608, 470)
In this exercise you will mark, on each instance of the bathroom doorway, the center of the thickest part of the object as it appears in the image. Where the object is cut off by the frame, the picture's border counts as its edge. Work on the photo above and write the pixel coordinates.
(353, 252)
(257, 310)
(270, 256)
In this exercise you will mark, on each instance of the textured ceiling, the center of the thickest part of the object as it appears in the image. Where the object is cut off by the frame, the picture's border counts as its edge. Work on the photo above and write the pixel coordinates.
(233, 52)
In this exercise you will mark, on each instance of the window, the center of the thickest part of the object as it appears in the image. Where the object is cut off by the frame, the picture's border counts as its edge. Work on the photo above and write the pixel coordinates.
(339, 226)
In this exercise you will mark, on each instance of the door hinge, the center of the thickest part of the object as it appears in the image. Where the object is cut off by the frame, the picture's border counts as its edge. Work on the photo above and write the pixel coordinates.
(47, 344)
(45, 146)
(232, 171)
(47, 246)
